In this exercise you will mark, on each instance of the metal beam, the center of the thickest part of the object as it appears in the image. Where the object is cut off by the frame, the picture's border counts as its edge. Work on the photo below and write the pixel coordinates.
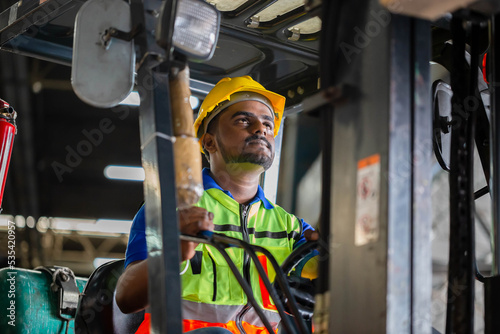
(495, 143)
(380, 264)
(422, 176)
(162, 229)
(159, 189)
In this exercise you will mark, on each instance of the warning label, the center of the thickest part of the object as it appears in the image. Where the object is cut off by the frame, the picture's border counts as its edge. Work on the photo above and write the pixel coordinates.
(367, 201)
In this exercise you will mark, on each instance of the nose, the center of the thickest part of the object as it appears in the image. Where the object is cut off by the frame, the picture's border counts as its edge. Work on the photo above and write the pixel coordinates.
(260, 128)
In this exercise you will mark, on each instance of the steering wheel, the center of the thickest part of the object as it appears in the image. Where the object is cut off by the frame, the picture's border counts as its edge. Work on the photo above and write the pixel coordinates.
(299, 257)
(302, 288)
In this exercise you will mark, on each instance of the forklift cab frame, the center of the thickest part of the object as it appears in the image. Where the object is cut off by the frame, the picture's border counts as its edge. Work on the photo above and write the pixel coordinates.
(367, 77)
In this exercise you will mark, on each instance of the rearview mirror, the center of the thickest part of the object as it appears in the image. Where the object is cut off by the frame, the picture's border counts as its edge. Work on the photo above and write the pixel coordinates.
(102, 72)
(103, 47)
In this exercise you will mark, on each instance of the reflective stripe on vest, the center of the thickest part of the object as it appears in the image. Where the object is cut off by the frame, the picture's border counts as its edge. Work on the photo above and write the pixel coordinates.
(189, 325)
(231, 326)
(209, 282)
(210, 315)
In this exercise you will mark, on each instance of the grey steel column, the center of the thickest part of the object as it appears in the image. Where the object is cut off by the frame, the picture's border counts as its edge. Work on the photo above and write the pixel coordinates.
(159, 191)
(495, 143)
(461, 266)
(382, 285)
(422, 176)
(399, 180)
(492, 283)
(162, 231)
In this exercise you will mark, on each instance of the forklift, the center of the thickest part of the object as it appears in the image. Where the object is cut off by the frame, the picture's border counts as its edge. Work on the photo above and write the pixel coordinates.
(363, 70)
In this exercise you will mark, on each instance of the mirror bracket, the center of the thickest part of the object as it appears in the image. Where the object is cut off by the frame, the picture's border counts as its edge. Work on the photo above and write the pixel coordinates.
(112, 32)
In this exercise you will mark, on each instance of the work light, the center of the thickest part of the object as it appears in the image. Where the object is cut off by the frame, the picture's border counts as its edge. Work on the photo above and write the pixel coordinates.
(196, 29)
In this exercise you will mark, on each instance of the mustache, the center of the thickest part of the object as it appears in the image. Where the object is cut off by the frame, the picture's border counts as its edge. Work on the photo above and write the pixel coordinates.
(257, 137)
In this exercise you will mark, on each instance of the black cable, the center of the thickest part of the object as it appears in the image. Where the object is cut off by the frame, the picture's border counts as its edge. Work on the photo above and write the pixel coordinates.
(282, 281)
(262, 273)
(481, 192)
(277, 301)
(280, 276)
(244, 285)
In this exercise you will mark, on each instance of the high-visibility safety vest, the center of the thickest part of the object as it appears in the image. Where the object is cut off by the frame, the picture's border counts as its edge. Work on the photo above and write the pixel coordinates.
(211, 294)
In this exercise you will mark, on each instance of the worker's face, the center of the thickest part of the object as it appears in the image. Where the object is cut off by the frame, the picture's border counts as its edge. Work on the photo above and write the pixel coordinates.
(245, 134)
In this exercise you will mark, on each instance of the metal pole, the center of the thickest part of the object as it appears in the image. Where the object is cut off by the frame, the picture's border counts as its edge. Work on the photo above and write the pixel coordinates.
(322, 309)
(159, 189)
(382, 141)
(492, 284)
(460, 309)
(400, 178)
(162, 228)
(494, 57)
(421, 178)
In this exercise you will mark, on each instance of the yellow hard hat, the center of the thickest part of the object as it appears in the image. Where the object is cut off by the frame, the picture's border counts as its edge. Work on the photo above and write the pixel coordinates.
(229, 86)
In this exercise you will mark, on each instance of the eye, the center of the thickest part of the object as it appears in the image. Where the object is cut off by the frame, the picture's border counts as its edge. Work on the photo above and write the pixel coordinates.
(269, 125)
(242, 120)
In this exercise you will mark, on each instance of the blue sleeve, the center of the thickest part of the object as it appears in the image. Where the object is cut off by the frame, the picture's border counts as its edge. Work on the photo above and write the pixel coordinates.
(302, 239)
(137, 248)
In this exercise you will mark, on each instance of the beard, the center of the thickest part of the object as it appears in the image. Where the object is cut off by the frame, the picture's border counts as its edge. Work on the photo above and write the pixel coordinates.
(259, 158)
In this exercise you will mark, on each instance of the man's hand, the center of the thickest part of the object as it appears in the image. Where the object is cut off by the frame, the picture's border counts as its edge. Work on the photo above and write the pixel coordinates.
(311, 235)
(192, 221)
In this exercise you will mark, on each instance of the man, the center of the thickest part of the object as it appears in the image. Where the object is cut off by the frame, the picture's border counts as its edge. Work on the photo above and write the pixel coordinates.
(236, 126)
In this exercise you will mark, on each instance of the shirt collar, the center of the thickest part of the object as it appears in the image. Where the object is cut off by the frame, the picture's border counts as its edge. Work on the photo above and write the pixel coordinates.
(209, 183)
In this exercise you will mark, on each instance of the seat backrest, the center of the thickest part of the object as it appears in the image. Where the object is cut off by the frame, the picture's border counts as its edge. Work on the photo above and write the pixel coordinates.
(97, 311)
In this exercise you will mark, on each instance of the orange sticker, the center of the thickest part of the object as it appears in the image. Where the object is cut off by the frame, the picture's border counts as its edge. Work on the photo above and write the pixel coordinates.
(372, 159)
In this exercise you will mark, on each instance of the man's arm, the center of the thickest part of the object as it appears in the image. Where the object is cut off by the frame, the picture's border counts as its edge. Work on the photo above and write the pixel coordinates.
(132, 287)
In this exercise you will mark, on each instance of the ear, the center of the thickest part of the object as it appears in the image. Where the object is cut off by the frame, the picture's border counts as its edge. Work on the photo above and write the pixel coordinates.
(209, 143)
